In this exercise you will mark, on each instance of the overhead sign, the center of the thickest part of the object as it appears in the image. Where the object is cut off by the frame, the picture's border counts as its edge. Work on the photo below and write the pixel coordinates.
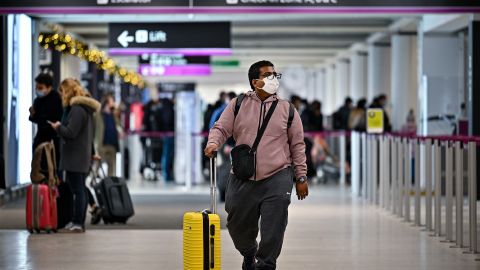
(188, 70)
(226, 63)
(93, 3)
(375, 121)
(335, 3)
(175, 87)
(139, 38)
(171, 60)
(236, 6)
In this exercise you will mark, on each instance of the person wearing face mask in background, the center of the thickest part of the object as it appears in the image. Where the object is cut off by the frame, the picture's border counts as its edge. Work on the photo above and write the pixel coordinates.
(279, 160)
(107, 133)
(47, 106)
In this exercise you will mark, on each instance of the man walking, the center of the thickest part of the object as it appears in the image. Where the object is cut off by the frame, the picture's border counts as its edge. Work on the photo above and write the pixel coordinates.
(107, 133)
(279, 160)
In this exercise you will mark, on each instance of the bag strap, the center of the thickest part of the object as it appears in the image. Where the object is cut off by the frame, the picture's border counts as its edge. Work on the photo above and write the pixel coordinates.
(35, 175)
(238, 103)
(291, 114)
(51, 164)
(264, 126)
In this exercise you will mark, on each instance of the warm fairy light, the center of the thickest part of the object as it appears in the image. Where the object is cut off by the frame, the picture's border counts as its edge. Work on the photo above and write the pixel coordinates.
(67, 44)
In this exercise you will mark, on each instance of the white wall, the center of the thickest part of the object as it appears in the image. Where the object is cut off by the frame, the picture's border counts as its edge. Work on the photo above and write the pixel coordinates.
(330, 91)
(379, 71)
(342, 82)
(404, 83)
(358, 76)
(441, 62)
(70, 67)
(320, 85)
(209, 92)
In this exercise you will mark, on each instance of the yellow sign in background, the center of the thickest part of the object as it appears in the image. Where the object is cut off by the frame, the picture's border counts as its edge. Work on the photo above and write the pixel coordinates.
(374, 120)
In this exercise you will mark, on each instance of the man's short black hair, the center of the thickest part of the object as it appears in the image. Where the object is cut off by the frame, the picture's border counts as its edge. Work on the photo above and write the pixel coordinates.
(254, 71)
(231, 95)
(295, 98)
(348, 101)
(317, 105)
(44, 78)
(382, 96)
(362, 103)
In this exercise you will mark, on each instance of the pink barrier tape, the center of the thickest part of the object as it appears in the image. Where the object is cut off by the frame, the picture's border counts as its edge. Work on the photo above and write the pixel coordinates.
(162, 134)
(327, 133)
(152, 134)
(331, 133)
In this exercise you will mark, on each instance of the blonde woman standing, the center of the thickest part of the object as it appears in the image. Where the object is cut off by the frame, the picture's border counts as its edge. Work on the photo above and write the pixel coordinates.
(76, 132)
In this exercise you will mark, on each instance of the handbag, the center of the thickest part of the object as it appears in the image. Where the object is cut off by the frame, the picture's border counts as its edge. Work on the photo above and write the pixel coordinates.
(244, 163)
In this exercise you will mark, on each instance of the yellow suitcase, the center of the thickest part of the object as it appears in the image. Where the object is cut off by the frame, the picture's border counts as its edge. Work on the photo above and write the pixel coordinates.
(201, 233)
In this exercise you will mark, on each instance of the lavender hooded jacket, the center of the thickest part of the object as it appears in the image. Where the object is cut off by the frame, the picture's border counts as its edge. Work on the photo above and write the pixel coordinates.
(279, 147)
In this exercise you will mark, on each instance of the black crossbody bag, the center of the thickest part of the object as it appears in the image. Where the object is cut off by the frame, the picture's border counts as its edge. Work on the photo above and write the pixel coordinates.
(244, 156)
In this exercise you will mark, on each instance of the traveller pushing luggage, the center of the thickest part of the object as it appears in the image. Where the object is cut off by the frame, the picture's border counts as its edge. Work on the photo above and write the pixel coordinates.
(201, 232)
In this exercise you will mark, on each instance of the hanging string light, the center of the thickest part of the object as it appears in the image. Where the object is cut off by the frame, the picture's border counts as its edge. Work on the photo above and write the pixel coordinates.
(68, 45)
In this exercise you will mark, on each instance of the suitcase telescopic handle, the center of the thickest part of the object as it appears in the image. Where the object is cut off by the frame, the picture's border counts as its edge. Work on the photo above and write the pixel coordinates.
(213, 183)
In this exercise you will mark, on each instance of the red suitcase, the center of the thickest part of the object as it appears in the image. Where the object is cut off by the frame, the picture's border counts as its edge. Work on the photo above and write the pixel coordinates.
(41, 208)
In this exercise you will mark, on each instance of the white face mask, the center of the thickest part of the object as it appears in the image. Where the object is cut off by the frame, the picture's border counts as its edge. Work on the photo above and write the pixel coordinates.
(271, 86)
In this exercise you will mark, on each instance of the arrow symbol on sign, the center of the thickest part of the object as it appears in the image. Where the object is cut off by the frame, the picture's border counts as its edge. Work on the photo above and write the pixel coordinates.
(124, 39)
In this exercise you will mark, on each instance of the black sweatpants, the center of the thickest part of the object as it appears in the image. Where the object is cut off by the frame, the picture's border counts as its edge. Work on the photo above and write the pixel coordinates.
(268, 200)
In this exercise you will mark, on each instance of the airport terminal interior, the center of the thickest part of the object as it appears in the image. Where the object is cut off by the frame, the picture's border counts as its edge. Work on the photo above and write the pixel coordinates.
(387, 94)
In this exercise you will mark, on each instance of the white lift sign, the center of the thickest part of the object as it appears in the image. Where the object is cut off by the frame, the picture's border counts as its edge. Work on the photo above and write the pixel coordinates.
(141, 36)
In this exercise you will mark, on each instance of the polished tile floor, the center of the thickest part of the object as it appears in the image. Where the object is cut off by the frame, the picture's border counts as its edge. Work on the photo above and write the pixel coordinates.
(327, 231)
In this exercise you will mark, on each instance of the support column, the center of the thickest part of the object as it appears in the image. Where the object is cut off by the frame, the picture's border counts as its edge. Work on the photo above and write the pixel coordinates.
(404, 82)
(379, 70)
(330, 93)
(342, 81)
(473, 72)
(320, 85)
(3, 100)
(358, 75)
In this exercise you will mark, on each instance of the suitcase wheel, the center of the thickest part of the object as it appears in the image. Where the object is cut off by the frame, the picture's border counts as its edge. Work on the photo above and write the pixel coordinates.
(30, 231)
(54, 231)
(37, 230)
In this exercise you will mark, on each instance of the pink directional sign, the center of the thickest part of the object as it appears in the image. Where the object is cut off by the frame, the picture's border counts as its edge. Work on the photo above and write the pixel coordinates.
(187, 70)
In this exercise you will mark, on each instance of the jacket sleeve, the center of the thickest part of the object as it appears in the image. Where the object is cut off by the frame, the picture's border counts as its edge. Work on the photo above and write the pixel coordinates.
(58, 110)
(223, 128)
(97, 138)
(38, 118)
(297, 146)
(76, 120)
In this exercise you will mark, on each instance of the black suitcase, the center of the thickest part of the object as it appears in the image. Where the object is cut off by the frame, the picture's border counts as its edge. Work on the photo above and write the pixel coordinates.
(114, 199)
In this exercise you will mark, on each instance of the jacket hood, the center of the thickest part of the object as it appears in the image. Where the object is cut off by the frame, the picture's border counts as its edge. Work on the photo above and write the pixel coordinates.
(253, 95)
(87, 102)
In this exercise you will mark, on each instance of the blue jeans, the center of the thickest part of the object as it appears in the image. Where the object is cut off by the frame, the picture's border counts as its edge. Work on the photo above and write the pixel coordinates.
(167, 158)
(76, 182)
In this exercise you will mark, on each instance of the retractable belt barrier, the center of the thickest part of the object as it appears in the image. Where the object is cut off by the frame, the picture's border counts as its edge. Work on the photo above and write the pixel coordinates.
(393, 167)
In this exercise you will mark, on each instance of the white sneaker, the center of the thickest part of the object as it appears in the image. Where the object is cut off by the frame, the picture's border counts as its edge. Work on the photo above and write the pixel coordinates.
(72, 228)
(77, 229)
